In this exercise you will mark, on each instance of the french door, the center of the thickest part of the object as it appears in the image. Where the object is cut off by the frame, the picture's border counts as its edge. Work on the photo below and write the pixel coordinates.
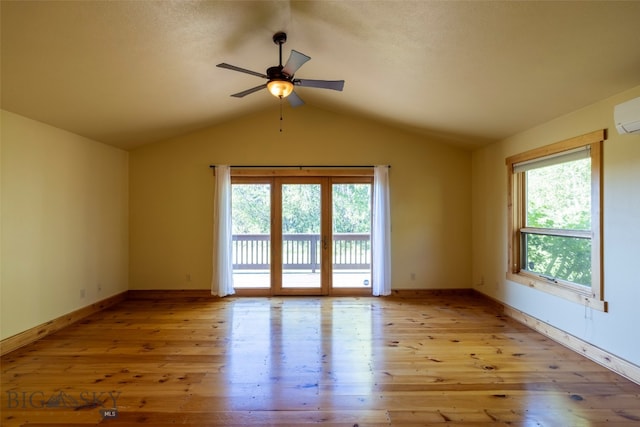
(302, 235)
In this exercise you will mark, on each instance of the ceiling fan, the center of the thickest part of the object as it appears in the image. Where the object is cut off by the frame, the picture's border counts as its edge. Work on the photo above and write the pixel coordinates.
(281, 78)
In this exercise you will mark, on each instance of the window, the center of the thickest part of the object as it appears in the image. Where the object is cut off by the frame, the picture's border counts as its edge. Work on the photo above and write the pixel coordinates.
(554, 219)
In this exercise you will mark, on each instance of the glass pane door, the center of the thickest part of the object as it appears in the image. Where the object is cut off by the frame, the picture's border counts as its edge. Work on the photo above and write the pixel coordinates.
(302, 235)
(351, 218)
(301, 215)
(251, 224)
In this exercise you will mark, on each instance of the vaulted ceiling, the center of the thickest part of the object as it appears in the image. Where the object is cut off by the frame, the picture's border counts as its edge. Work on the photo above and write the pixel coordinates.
(128, 73)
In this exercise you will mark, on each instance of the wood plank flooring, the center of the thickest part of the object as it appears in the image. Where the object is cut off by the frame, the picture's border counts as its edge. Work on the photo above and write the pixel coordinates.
(446, 360)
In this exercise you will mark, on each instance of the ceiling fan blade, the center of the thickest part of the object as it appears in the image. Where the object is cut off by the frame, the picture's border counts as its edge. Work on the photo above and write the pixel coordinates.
(295, 61)
(242, 70)
(295, 100)
(322, 84)
(249, 91)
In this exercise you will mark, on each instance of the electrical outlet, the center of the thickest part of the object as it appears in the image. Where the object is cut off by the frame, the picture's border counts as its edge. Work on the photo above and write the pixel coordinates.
(99, 287)
(413, 276)
(82, 293)
(188, 277)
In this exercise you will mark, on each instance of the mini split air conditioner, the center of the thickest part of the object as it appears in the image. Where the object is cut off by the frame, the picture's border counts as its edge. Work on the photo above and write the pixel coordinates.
(627, 116)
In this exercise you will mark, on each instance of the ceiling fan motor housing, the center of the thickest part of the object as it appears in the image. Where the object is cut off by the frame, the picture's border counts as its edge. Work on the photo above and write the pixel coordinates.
(275, 73)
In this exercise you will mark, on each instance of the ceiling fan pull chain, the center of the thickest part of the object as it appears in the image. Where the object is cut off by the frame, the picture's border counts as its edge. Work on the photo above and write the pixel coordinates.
(281, 114)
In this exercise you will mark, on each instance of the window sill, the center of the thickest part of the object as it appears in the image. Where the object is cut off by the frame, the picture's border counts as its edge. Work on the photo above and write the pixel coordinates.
(585, 299)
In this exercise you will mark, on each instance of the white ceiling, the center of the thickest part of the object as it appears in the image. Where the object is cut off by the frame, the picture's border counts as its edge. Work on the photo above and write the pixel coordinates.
(128, 73)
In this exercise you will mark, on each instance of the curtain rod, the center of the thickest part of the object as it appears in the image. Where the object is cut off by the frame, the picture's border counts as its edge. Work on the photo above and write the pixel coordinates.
(300, 166)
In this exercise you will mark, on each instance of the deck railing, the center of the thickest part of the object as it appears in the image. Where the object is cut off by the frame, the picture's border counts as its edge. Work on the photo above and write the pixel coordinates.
(301, 251)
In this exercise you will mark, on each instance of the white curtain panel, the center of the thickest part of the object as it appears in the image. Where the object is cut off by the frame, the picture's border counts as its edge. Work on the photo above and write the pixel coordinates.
(381, 232)
(222, 280)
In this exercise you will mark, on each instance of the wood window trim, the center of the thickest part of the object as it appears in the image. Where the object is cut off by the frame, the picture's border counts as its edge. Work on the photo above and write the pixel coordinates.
(300, 172)
(592, 297)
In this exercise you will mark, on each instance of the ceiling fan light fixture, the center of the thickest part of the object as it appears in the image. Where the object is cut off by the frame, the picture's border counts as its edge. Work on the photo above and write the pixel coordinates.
(280, 80)
(280, 88)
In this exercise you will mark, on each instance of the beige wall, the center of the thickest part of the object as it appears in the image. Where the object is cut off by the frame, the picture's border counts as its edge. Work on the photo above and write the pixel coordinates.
(64, 222)
(171, 189)
(612, 331)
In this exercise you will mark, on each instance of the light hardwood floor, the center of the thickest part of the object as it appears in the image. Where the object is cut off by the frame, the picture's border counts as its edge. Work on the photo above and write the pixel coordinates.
(444, 360)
